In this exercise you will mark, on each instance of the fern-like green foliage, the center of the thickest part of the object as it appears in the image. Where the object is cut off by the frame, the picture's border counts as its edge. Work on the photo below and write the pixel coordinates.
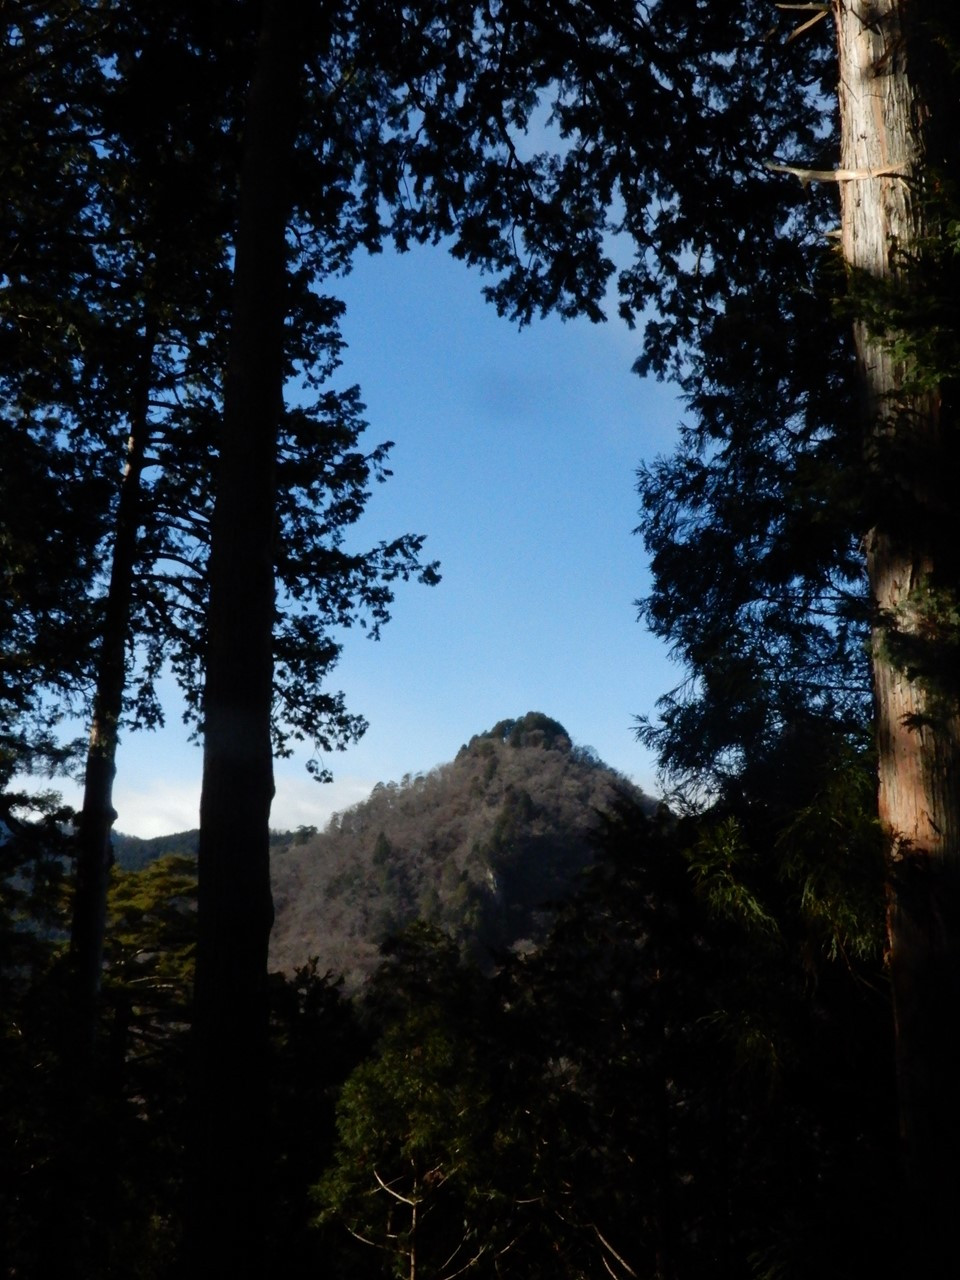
(721, 860)
(831, 851)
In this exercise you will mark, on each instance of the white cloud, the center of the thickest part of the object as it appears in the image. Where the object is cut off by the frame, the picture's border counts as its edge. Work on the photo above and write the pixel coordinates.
(158, 809)
(302, 802)
(163, 807)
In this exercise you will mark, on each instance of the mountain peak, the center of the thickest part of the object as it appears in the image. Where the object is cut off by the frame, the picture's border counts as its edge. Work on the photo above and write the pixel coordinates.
(532, 730)
(476, 847)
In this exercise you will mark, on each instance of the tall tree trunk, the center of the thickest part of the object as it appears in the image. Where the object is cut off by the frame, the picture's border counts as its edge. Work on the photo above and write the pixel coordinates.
(85, 1154)
(94, 851)
(888, 106)
(235, 911)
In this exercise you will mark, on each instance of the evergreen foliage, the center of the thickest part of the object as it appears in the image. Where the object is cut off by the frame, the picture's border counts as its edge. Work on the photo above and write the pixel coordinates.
(691, 1072)
(685, 1079)
(118, 288)
(414, 1131)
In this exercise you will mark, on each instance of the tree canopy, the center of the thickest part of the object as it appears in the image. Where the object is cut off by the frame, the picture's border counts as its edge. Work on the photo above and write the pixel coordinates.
(182, 188)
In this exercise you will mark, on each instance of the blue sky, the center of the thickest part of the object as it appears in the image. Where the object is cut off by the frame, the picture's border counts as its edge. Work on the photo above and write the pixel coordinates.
(515, 453)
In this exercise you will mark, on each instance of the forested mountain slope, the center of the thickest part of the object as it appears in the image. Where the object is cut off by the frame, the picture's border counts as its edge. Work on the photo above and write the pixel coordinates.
(479, 846)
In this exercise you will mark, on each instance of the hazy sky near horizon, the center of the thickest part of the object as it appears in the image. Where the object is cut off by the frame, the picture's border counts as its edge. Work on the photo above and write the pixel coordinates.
(515, 453)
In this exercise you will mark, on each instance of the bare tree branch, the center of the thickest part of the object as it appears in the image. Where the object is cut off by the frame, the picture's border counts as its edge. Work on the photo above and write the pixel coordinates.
(807, 176)
(805, 26)
(610, 1249)
(396, 1194)
(476, 1258)
(374, 1244)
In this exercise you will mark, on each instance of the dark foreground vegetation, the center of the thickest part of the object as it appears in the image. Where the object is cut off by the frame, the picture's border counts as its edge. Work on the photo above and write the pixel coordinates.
(689, 1075)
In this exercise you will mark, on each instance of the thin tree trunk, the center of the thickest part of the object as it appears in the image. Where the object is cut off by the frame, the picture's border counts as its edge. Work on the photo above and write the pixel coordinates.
(887, 99)
(235, 905)
(94, 850)
(86, 1151)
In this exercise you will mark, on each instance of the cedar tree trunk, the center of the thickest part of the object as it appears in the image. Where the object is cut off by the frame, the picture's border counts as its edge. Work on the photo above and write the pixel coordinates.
(235, 910)
(94, 851)
(890, 86)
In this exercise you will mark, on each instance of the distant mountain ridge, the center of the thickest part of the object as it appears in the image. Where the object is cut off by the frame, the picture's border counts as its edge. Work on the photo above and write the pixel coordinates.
(133, 853)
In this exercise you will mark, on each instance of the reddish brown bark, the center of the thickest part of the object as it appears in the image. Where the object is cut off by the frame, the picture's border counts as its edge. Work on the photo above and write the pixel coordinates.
(888, 103)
